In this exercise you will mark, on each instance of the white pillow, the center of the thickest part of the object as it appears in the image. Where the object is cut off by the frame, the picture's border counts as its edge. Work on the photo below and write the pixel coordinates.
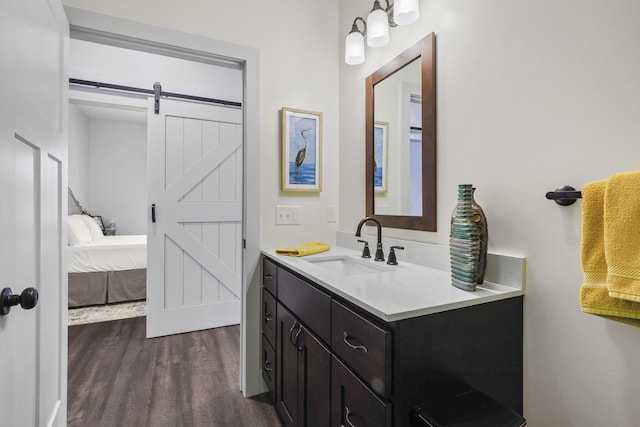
(78, 230)
(94, 228)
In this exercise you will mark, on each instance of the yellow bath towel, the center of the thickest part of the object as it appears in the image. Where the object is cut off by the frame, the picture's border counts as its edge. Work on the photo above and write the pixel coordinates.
(308, 248)
(594, 294)
(622, 235)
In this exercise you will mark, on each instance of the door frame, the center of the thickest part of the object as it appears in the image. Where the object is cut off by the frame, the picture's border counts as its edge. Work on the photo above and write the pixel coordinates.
(109, 30)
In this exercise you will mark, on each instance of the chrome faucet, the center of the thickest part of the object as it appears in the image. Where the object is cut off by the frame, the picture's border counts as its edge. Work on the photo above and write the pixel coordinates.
(379, 253)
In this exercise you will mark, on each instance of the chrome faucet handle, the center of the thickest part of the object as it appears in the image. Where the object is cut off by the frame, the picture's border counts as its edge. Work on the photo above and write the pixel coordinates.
(392, 255)
(365, 251)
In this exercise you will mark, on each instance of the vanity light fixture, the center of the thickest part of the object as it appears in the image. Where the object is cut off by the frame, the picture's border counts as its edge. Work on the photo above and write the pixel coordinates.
(354, 44)
(378, 22)
(376, 27)
(406, 12)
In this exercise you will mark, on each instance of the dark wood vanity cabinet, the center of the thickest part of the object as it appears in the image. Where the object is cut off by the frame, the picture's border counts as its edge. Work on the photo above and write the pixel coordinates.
(303, 371)
(330, 363)
(268, 317)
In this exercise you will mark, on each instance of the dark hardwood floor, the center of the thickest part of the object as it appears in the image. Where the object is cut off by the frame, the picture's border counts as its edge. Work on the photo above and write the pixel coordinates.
(118, 378)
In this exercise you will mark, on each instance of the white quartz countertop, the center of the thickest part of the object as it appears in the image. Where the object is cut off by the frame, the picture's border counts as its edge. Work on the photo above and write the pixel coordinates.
(392, 292)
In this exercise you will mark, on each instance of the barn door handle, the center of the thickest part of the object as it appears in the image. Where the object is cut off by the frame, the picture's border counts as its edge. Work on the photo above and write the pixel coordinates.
(153, 212)
(27, 300)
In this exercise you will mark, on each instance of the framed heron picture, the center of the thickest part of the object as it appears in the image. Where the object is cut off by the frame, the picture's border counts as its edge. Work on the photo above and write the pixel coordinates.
(380, 149)
(301, 150)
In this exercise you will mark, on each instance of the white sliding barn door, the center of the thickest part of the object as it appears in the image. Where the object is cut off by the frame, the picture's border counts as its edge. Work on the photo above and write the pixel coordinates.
(33, 151)
(194, 273)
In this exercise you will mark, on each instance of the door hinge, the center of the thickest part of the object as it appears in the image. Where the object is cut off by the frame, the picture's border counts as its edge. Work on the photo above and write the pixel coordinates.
(244, 243)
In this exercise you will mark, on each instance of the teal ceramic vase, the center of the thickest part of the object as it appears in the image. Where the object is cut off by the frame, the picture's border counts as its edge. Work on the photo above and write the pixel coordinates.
(465, 241)
(481, 222)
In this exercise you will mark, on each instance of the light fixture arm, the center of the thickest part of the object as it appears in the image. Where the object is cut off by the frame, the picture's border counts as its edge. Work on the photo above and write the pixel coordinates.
(388, 10)
(354, 27)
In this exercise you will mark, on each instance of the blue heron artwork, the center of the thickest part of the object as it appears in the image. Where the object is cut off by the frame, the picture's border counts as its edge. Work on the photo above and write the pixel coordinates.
(302, 150)
(380, 156)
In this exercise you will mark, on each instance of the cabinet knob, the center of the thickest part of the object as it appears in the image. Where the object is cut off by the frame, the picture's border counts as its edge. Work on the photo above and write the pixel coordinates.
(27, 300)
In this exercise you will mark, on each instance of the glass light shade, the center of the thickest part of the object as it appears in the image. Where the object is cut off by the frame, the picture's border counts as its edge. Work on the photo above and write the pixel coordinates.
(377, 28)
(405, 12)
(354, 49)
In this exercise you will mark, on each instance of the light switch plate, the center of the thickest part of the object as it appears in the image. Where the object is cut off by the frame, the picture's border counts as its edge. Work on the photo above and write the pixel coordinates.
(287, 215)
(332, 213)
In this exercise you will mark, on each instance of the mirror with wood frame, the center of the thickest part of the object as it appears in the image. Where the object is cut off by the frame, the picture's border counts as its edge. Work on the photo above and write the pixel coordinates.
(401, 139)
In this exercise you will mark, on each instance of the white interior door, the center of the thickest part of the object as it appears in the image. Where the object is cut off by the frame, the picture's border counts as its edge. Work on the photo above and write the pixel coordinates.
(33, 361)
(194, 271)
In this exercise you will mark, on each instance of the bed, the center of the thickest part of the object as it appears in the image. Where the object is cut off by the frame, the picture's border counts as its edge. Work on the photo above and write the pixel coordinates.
(103, 269)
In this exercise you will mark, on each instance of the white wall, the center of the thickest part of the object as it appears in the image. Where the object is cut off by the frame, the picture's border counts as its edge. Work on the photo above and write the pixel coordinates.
(109, 64)
(118, 148)
(118, 174)
(298, 42)
(79, 154)
(531, 96)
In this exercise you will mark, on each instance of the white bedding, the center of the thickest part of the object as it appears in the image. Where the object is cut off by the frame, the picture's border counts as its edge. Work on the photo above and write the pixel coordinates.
(109, 253)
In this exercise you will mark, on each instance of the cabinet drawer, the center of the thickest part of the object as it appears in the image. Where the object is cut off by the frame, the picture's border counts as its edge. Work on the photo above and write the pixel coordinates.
(352, 403)
(364, 346)
(309, 304)
(269, 316)
(268, 367)
(269, 275)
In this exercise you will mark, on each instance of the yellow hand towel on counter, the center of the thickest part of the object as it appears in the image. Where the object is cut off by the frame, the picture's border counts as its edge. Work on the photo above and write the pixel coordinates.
(622, 235)
(308, 248)
(594, 293)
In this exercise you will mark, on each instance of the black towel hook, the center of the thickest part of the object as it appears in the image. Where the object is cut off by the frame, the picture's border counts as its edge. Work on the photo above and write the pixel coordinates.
(565, 195)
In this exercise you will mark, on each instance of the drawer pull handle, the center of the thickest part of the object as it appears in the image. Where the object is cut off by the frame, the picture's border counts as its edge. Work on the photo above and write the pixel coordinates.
(346, 417)
(295, 325)
(298, 337)
(294, 340)
(267, 317)
(268, 276)
(355, 347)
(267, 366)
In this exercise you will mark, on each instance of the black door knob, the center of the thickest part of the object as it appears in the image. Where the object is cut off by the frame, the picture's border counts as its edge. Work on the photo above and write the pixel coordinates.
(27, 300)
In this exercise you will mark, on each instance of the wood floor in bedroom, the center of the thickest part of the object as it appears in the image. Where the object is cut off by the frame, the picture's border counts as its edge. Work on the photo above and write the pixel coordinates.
(117, 377)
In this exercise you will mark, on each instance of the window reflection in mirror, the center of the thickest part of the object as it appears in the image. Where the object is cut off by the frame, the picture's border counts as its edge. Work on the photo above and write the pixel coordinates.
(401, 140)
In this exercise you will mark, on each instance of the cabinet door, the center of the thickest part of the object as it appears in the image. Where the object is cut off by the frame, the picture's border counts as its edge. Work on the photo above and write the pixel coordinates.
(352, 403)
(268, 367)
(287, 367)
(269, 316)
(315, 372)
(303, 389)
(269, 275)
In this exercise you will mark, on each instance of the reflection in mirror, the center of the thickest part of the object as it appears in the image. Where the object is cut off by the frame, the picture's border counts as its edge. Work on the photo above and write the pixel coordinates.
(397, 146)
(401, 139)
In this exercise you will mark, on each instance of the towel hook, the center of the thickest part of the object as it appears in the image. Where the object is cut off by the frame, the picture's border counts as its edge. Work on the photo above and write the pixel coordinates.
(565, 195)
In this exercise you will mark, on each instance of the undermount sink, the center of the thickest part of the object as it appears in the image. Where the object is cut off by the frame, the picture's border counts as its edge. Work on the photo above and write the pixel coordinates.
(347, 266)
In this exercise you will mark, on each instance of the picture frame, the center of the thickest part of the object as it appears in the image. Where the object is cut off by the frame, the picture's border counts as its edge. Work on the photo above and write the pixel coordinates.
(98, 220)
(301, 150)
(380, 150)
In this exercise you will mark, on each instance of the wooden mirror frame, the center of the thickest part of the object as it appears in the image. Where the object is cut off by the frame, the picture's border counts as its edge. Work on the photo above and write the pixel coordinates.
(426, 50)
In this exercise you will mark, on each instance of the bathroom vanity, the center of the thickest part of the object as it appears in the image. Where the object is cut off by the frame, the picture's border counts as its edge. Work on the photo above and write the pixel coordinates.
(352, 342)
